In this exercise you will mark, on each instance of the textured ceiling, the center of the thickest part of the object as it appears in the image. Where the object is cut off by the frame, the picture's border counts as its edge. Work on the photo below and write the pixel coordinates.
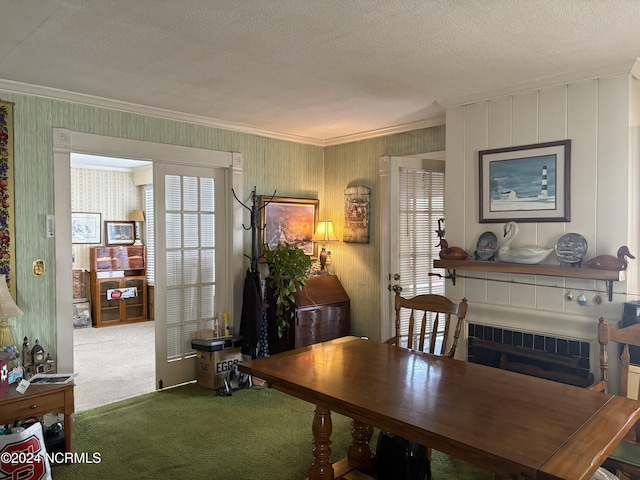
(314, 69)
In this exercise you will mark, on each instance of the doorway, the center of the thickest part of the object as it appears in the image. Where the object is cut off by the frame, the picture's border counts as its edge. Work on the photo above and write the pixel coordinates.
(115, 362)
(66, 141)
(412, 202)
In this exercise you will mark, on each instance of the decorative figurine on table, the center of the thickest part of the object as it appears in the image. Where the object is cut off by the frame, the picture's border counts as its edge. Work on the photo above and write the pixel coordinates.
(609, 262)
(447, 252)
(451, 253)
(38, 357)
(27, 360)
(528, 254)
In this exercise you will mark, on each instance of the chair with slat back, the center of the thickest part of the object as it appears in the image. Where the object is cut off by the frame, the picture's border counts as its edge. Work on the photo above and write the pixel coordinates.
(441, 310)
(626, 456)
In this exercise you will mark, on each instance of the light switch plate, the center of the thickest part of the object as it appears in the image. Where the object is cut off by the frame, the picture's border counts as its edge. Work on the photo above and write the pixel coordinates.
(50, 226)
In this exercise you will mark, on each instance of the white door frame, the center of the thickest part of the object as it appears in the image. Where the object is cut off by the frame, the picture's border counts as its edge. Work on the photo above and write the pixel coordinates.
(389, 178)
(66, 141)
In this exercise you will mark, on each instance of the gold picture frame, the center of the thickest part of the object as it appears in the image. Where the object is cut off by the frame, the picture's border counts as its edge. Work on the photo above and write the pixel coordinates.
(288, 220)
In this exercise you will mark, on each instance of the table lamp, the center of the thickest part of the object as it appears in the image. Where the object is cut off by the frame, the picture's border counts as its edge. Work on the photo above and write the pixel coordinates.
(8, 308)
(137, 216)
(324, 233)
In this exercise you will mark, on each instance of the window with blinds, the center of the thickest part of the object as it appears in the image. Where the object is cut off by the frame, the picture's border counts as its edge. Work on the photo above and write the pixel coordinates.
(190, 260)
(421, 204)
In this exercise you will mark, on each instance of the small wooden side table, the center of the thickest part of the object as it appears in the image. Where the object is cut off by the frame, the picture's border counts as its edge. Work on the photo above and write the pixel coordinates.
(37, 401)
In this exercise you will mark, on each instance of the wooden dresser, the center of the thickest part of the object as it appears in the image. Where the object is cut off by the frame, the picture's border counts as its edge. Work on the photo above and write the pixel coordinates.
(322, 312)
(114, 270)
(37, 401)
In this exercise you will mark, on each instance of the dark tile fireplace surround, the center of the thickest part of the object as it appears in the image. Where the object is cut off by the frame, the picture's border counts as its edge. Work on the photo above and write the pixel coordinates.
(560, 359)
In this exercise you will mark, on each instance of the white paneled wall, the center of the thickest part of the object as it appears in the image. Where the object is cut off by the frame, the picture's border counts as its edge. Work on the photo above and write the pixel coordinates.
(111, 193)
(595, 115)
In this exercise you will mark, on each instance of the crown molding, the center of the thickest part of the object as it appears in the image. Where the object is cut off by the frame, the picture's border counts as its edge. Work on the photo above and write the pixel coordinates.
(381, 132)
(628, 67)
(90, 100)
(94, 101)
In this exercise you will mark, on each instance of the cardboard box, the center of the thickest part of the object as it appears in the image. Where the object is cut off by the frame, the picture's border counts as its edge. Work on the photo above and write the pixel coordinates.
(212, 367)
(203, 334)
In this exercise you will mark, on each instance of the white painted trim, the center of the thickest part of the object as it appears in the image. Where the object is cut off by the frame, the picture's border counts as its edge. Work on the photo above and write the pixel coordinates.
(62, 233)
(83, 99)
(65, 141)
(407, 127)
(102, 145)
(535, 84)
(385, 298)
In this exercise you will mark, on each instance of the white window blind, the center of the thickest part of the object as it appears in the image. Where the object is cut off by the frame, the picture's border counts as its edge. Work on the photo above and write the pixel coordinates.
(149, 226)
(190, 260)
(421, 204)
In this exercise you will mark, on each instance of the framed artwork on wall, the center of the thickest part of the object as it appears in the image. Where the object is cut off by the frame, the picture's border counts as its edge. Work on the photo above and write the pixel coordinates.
(529, 183)
(288, 220)
(357, 202)
(85, 227)
(119, 233)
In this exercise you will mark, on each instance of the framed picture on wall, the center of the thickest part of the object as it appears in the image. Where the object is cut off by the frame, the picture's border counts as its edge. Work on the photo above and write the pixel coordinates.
(119, 233)
(529, 183)
(289, 220)
(85, 227)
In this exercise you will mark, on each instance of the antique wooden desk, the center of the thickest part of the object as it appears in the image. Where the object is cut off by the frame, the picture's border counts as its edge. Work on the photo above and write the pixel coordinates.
(37, 401)
(517, 426)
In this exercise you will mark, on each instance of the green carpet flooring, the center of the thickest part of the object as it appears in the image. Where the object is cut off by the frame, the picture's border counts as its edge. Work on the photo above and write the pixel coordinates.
(190, 433)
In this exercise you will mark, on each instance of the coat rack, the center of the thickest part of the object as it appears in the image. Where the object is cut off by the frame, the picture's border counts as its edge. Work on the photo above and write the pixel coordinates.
(254, 225)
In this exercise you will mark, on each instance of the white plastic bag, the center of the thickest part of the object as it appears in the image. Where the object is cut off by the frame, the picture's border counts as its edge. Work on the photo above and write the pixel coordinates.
(602, 474)
(24, 455)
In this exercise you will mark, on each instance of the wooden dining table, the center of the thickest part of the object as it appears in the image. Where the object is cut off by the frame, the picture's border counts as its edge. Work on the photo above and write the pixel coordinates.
(515, 425)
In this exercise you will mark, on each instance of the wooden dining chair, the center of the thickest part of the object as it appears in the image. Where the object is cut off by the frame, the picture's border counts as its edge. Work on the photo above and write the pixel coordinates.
(626, 456)
(430, 320)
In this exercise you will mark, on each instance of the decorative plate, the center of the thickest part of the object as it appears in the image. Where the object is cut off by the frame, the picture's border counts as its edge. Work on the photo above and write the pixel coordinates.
(571, 248)
(486, 246)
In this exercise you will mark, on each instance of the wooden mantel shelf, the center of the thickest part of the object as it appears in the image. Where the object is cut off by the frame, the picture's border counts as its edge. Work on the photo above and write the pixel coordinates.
(549, 270)
(609, 276)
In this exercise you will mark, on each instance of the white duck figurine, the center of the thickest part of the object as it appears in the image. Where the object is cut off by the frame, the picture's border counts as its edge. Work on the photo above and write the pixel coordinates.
(529, 254)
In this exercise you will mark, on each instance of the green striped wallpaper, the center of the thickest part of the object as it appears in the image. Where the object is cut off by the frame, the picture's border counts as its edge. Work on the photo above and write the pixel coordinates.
(295, 170)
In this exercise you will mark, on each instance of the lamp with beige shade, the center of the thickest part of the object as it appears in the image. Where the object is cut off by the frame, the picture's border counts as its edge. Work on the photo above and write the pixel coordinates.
(137, 216)
(324, 233)
(8, 309)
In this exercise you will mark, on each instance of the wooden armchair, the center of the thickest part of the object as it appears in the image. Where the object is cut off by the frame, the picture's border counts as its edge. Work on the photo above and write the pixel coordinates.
(626, 456)
(435, 311)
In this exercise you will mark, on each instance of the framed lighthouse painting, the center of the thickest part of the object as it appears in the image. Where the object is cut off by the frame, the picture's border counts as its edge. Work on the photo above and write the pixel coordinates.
(530, 183)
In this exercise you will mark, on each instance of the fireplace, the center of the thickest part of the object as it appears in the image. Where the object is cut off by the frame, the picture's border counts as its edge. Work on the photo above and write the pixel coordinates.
(560, 359)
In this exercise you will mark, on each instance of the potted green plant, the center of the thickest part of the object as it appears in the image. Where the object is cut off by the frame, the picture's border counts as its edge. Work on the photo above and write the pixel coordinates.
(288, 266)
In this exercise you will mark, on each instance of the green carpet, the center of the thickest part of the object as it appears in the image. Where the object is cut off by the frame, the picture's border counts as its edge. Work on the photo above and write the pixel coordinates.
(190, 433)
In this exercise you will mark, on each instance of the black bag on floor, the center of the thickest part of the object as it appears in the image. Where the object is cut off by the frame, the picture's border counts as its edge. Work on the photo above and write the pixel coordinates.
(399, 459)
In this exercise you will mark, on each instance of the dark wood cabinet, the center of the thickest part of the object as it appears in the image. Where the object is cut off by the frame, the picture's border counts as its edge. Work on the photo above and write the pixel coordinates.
(80, 281)
(322, 312)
